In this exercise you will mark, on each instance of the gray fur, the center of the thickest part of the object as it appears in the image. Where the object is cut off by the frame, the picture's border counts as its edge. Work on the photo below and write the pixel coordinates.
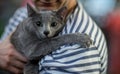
(35, 38)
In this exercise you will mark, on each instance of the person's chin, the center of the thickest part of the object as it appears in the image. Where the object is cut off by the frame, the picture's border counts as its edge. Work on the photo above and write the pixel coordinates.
(48, 1)
(49, 6)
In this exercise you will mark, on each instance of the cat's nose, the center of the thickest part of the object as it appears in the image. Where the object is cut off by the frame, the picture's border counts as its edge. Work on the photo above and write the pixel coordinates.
(46, 33)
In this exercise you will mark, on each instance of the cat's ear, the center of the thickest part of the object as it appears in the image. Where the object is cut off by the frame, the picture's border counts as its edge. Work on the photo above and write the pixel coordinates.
(30, 10)
(62, 12)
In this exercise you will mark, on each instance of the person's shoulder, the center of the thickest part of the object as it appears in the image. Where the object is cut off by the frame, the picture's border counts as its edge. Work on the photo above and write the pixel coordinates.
(79, 4)
(22, 11)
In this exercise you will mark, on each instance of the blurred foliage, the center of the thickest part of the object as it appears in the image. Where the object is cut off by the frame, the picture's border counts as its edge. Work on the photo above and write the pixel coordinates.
(1, 27)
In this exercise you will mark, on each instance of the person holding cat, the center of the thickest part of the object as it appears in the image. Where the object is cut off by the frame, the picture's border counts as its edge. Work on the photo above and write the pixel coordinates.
(70, 59)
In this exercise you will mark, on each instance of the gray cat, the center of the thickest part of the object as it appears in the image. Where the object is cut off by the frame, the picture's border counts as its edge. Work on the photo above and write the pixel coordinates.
(37, 36)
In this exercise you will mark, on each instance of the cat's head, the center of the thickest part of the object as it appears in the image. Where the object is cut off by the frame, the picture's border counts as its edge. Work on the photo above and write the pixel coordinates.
(46, 23)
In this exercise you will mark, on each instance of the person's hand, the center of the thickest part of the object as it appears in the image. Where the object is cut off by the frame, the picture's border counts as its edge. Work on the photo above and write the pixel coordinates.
(10, 59)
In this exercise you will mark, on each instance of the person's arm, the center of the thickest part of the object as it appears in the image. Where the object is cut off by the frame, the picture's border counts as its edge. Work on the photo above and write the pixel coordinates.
(10, 59)
(72, 59)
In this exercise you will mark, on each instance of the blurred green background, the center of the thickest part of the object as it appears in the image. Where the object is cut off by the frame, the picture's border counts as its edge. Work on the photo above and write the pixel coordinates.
(7, 8)
(1, 27)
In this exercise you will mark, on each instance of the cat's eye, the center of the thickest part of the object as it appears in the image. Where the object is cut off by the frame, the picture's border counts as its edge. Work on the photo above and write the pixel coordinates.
(53, 24)
(38, 23)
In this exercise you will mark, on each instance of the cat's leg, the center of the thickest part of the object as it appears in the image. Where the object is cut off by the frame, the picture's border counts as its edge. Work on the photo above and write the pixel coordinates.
(31, 69)
(42, 48)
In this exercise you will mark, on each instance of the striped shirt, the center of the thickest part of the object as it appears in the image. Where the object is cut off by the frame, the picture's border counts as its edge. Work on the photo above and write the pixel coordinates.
(71, 59)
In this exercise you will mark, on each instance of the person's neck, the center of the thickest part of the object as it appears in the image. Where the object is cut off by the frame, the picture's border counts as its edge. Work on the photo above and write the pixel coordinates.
(45, 5)
(71, 5)
(53, 5)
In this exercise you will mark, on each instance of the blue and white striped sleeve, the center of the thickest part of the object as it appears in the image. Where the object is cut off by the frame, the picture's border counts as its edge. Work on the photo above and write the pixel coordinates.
(18, 17)
(72, 60)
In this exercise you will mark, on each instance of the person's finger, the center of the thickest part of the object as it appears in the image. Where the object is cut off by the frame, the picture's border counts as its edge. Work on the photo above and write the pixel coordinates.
(18, 64)
(19, 57)
(14, 70)
(6, 65)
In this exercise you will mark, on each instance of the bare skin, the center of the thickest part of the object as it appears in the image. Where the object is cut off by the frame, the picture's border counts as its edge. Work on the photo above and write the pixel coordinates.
(10, 59)
(54, 5)
(13, 61)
